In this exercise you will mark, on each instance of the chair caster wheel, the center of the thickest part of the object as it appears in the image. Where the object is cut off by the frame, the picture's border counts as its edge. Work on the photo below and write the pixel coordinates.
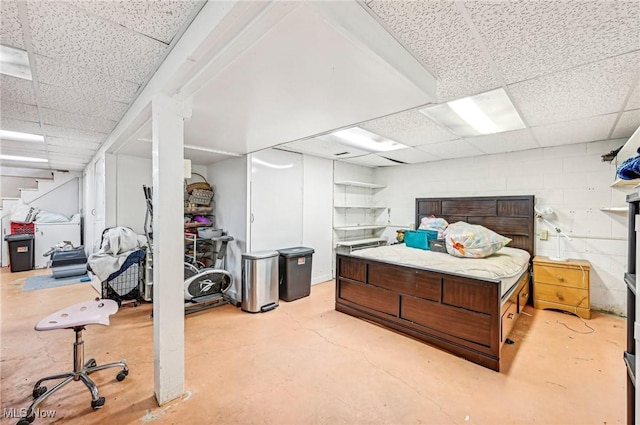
(97, 404)
(121, 375)
(37, 392)
(26, 420)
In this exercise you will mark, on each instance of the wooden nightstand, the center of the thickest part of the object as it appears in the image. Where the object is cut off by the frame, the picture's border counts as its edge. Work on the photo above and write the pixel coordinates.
(563, 285)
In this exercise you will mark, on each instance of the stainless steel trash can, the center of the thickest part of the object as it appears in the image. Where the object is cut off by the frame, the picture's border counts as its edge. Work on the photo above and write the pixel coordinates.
(259, 281)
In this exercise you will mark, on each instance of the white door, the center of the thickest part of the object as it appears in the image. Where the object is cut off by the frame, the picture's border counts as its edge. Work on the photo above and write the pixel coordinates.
(276, 200)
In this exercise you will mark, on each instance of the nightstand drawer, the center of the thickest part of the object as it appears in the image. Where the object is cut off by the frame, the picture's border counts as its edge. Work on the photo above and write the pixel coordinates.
(561, 295)
(563, 276)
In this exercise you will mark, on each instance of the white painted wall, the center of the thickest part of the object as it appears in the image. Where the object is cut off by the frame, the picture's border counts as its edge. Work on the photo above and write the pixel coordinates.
(317, 210)
(131, 208)
(63, 200)
(571, 179)
(10, 186)
(229, 181)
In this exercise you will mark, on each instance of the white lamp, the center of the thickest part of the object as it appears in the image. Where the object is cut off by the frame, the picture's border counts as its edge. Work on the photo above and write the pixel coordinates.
(541, 212)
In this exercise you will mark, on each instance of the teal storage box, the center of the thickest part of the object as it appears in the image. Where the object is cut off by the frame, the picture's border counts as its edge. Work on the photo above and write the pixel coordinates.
(419, 238)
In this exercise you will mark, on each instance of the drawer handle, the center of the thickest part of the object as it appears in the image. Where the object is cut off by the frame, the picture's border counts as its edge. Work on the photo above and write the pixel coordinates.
(510, 316)
(560, 278)
(560, 297)
(524, 295)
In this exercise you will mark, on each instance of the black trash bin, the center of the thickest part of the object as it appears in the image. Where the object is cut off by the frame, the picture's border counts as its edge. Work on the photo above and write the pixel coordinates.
(21, 255)
(295, 272)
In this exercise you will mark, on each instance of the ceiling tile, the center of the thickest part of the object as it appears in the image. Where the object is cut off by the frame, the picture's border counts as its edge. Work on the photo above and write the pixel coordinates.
(508, 141)
(157, 19)
(451, 149)
(55, 165)
(371, 160)
(21, 126)
(79, 144)
(60, 157)
(16, 90)
(6, 145)
(72, 133)
(18, 111)
(426, 28)
(596, 89)
(409, 155)
(411, 128)
(88, 81)
(71, 152)
(628, 123)
(82, 122)
(71, 101)
(578, 131)
(10, 27)
(65, 33)
(527, 39)
(322, 146)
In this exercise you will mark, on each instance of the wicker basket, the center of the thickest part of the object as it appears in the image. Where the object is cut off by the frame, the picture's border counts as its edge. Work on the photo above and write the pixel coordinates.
(198, 185)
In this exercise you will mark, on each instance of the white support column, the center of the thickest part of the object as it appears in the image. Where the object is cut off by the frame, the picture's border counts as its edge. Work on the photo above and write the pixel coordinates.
(168, 244)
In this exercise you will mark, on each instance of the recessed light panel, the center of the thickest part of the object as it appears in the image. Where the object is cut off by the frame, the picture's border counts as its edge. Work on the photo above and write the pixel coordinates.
(363, 139)
(20, 137)
(14, 62)
(486, 113)
(22, 158)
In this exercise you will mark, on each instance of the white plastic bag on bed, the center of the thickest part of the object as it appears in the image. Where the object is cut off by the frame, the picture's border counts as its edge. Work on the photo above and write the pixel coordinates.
(434, 223)
(472, 240)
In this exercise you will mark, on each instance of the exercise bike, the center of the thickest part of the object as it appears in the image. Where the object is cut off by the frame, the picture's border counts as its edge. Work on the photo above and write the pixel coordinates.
(204, 287)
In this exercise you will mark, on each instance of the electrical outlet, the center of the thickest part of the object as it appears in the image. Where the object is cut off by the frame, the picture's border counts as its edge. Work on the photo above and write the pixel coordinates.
(544, 235)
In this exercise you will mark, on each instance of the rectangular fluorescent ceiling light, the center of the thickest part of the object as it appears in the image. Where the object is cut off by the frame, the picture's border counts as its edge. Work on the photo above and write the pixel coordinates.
(486, 113)
(14, 62)
(22, 158)
(366, 140)
(16, 136)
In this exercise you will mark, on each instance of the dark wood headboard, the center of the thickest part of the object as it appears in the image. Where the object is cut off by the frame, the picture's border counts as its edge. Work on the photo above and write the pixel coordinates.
(510, 216)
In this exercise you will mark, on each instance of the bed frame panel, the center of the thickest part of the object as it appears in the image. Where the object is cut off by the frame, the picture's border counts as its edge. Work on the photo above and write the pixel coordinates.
(465, 316)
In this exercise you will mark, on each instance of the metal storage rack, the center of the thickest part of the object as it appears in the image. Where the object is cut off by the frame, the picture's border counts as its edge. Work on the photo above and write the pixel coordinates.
(631, 280)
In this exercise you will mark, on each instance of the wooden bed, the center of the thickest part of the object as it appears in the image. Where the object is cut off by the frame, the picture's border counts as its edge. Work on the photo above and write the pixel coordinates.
(466, 316)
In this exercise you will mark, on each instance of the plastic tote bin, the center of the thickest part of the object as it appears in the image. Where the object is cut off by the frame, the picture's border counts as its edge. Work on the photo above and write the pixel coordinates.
(295, 272)
(21, 252)
(259, 281)
(419, 238)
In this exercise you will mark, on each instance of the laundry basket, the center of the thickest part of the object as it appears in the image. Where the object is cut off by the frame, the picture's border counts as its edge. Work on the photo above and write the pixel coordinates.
(127, 284)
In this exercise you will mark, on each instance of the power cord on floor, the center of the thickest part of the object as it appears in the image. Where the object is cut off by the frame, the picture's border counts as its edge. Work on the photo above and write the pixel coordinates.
(579, 317)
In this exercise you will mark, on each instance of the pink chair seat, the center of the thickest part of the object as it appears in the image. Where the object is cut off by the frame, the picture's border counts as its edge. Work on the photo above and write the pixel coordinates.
(93, 312)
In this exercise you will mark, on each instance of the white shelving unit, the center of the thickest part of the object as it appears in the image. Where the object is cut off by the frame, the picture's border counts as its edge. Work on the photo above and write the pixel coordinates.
(357, 220)
(628, 150)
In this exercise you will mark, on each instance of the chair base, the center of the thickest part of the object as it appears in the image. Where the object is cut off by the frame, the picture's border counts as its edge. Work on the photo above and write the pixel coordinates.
(81, 372)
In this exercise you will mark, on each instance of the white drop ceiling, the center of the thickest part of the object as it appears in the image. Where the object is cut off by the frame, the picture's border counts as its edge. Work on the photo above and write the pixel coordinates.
(300, 70)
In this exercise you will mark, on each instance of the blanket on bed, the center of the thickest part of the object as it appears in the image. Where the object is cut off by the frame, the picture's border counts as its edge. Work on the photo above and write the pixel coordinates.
(507, 262)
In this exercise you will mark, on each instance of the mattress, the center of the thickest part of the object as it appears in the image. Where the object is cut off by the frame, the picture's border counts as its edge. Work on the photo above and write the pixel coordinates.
(505, 266)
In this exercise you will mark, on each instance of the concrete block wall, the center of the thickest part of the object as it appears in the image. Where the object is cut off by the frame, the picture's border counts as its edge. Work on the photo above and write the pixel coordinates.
(571, 179)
